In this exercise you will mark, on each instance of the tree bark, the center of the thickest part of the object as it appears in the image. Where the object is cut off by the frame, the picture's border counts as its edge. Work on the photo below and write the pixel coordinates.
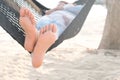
(111, 34)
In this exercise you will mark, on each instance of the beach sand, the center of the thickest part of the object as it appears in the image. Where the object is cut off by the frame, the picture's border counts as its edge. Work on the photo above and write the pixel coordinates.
(74, 59)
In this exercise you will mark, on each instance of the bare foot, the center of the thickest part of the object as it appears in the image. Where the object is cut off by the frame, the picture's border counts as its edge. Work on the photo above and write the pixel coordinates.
(27, 22)
(46, 38)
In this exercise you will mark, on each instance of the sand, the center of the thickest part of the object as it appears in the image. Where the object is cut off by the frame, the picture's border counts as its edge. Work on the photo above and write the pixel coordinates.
(72, 60)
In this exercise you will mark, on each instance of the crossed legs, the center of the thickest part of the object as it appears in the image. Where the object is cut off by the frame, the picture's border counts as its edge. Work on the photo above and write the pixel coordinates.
(36, 41)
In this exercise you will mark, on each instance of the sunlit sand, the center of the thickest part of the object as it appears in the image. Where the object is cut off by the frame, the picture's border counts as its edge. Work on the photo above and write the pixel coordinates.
(74, 59)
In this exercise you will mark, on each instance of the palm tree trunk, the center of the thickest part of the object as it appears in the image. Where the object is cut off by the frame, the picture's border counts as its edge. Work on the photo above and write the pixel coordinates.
(111, 34)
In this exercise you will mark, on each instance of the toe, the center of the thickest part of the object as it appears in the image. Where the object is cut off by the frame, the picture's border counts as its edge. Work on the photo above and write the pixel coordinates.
(32, 18)
(41, 31)
(50, 27)
(47, 28)
(30, 15)
(26, 12)
(44, 29)
(54, 28)
(22, 12)
(33, 22)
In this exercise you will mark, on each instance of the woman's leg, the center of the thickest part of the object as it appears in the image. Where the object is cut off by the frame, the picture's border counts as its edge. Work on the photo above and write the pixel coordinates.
(47, 37)
(27, 22)
(38, 45)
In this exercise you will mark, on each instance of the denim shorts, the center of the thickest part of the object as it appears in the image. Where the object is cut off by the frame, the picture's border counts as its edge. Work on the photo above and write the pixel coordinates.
(45, 20)
(57, 18)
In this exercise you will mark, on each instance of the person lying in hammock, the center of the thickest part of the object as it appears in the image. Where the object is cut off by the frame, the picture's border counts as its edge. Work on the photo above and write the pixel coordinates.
(41, 35)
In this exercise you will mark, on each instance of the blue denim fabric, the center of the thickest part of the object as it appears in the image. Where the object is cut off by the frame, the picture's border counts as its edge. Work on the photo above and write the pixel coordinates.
(57, 18)
(73, 9)
(45, 20)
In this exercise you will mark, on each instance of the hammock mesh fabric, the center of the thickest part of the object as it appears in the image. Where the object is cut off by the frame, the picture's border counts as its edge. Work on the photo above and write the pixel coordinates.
(9, 19)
